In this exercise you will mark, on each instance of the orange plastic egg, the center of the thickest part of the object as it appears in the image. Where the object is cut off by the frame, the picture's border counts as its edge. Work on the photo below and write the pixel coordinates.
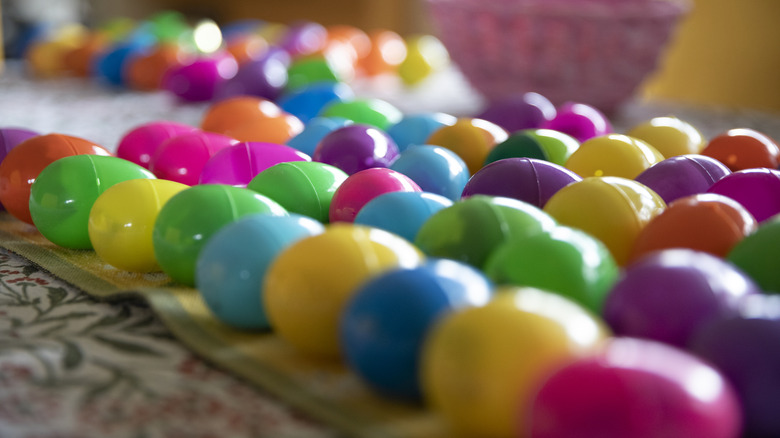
(387, 52)
(146, 71)
(248, 118)
(471, 139)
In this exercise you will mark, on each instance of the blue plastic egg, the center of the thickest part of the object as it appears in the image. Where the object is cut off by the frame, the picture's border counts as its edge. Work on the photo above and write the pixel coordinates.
(435, 169)
(384, 324)
(308, 101)
(402, 213)
(414, 129)
(231, 266)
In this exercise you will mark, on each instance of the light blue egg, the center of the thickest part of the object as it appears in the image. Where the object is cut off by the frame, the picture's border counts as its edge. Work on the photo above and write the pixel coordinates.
(402, 213)
(414, 129)
(435, 169)
(308, 101)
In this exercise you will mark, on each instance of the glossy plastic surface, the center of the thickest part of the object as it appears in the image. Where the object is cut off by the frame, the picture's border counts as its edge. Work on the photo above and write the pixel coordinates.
(145, 71)
(265, 78)
(543, 144)
(482, 365)
(63, 194)
(360, 188)
(611, 209)
(357, 147)
(647, 389)
(401, 213)
(472, 139)
(376, 112)
(122, 219)
(414, 129)
(384, 348)
(682, 175)
(139, 144)
(192, 216)
(519, 112)
(670, 294)
(526, 179)
(306, 292)
(471, 229)
(670, 136)
(249, 118)
(758, 190)
(613, 155)
(308, 101)
(23, 163)
(182, 158)
(743, 148)
(10, 137)
(757, 255)
(236, 165)
(303, 187)
(197, 81)
(566, 261)
(315, 130)
(579, 120)
(232, 265)
(435, 169)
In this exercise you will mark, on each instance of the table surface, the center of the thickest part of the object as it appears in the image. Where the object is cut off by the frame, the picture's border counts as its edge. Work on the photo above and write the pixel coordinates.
(71, 366)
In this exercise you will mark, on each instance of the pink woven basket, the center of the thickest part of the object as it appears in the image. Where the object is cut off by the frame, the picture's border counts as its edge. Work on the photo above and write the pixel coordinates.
(590, 51)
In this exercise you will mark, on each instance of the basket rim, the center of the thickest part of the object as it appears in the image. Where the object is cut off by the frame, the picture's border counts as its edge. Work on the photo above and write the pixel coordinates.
(597, 9)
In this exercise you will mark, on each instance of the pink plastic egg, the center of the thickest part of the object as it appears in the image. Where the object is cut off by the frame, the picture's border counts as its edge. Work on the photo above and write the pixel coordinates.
(138, 144)
(363, 186)
(183, 157)
(236, 165)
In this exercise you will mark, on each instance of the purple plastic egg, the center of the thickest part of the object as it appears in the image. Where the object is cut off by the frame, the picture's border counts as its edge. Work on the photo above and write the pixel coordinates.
(668, 295)
(183, 157)
(579, 120)
(356, 147)
(265, 77)
(198, 80)
(682, 175)
(758, 190)
(236, 165)
(527, 179)
(522, 111)
(747, 351)
(138, 144)
(304, 38)
(10, 137)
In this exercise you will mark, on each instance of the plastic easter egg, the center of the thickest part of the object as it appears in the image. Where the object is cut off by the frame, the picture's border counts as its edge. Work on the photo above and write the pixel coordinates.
(705, 222)
(11, 137)
(383, 349)
(247, 48)
(145, 71)
(747, 351)
(471, 139)
(579, 120)
(121, 221)
(231, 266)
(357, 147)
(435, 169)
(375, 112)
(249, 118)
(388, 50)
(482, 365)
(401, 213)
(189, 219)
(360, 188)
(757, 255)
(265, 78)
(197, 80)
(425, 55)
(565, 261)
(758, 190)
(79, 61)
(311, 70)
(303, 187)
(519, 112)
(63, 193)
(182, 158)
(111, 66)
(544, 144)
(670, 136)
(682, 176)
(355, 39)
(307, 101)
(414, 129)
(611, 209)
(613, 155)
(168, 25)
(307, 287)
(648, 389)
(471, 229)
(670, 294)
(743, 149)
(140, 143)
(236, 165)
(45, 58)
(315, 130)
(23, 163)
(304, 38)
(525, 179)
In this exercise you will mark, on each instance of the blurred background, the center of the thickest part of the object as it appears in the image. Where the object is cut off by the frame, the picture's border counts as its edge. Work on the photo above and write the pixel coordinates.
(724, 52)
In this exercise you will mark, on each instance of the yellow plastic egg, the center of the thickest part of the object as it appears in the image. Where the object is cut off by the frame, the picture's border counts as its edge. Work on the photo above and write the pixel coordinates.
(670, 136)
(425, 55)
(482, 365)
(613, 155)
(308, 285)
(122, 219)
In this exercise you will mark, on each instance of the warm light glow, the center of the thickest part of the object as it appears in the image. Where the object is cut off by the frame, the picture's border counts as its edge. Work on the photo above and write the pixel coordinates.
(207, 36)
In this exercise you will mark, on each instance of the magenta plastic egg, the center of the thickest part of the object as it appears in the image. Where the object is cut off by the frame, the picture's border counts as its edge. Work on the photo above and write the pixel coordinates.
(198, 80)
(139, 144)
(358, 189)
(183, 157)
(526, 179)
(265, 77)
(579, 120)
(758, 190)
(670, 294)
(635, 388)
(356, 147)
(236, 165)
(682, 175)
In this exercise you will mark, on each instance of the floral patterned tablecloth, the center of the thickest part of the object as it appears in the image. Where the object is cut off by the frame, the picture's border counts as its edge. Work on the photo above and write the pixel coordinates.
(75, 367)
